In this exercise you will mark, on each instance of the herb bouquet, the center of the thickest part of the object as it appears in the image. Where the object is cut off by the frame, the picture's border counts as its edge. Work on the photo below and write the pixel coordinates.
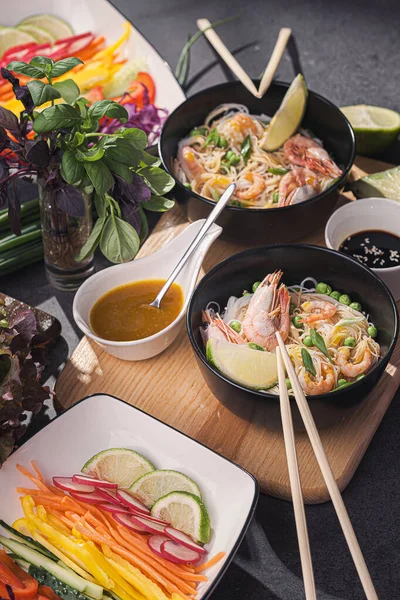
(74, 162)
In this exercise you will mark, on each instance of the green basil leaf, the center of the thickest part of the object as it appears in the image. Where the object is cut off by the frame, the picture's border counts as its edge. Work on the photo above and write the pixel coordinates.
(42, 62)
(24, 69)
(144, 226)
(77, 139)
(108, 108)
(118, 168)
(68, 90)
(318, 342)
(100, 205)
(100, 175)
(137, 138)
(42, 92)
(82, 106)
(119, 241)
(149, 160)
(60, 116)
(158, 204)
(72, 170)
(245, 148)
(91, 155)
(157, 179)
(307, 362)
(65, 65)
(120, 150)
(92, 242)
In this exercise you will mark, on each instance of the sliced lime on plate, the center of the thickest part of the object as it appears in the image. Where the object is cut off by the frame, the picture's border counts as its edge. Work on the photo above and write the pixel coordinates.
(288, 117)
(118, 465)
(375, 127)
(41, 36)
(246, 366)
(119, 83)
(152, 486)
(385, 184)
(186, 512)
(55, 26)
(10, 37)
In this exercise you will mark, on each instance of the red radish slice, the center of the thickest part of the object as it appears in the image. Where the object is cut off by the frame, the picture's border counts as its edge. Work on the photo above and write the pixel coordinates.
(98, 483)
(155, 542)
(93, 498)
(112, 508)
(109, 496)
(179, 554)
(184, 540)
(153, 519)
(68, 485)
(127, 522)
(149, 526)
(131, 502)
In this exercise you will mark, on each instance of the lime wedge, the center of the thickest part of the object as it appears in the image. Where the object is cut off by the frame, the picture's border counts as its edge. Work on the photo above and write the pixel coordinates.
(117, 465)
(385, 184)
(149, 488)
(248, 367)
(118, 84)
(41, 36)
(10, 37)
(375, 127)
(186, 512)
(55, 26)
(288, 117)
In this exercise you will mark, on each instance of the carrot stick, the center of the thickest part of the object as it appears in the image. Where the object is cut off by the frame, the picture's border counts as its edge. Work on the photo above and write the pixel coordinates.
(28, 491)
(210, 563)
(35, 480)
(37, 471)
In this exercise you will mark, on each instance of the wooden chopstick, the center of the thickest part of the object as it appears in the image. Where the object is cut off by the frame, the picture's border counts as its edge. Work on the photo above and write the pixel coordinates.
(274, 61)
(226, 56)
(295, 484)
(327, 474)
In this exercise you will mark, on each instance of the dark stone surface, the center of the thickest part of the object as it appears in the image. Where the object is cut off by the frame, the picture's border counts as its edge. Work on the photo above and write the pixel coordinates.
(349, 52)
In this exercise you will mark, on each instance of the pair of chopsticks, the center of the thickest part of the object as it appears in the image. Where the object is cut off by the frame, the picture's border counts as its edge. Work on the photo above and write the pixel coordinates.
(205, 26)
(295, 484)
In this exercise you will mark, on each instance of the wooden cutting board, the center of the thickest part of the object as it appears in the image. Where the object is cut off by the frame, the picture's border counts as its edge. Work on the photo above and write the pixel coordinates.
(170, 387)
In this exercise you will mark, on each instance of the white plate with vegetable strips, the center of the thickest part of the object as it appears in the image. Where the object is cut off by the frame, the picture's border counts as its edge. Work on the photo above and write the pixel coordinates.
(70, 445)
(101, 18)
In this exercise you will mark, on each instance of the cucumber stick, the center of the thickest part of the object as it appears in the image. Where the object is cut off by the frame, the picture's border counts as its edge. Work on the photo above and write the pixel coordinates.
(39, 560)
(28, 541)
(66, 592)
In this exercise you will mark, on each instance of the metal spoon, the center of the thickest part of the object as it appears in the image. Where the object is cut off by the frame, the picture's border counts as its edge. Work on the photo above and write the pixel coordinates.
(212, 217)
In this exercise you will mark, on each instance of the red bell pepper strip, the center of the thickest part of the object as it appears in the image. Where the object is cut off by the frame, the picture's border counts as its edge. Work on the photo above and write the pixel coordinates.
(24, 587)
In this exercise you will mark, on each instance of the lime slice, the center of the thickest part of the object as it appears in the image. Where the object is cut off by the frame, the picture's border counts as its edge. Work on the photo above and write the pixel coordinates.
(117, 465)
(288, 117)
(41, 36)
(375, 127)
(385, 184)
(250, 368)
(55, 26)
(186, 512)
(120, 81)
(10, 37)
(149, 488)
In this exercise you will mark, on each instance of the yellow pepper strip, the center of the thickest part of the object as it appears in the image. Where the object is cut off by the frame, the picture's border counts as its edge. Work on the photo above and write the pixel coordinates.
(22, 525)
(53, 520)
(134, 576)
(28, 505)
(109, 51)
(124, 596)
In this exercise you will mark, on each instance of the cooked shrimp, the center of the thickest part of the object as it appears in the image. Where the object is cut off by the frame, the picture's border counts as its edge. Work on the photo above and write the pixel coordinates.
(354, 363)
(306, 152)
(319, 384)
(215, 327)
(267, 313)
(256, 188)
(239, 126)
(318, 309)
(297, 185)
(190, 163)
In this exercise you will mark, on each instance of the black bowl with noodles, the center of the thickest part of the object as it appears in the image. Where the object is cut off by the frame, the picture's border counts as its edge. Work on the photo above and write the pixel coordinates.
(261, 226)
(297, 261)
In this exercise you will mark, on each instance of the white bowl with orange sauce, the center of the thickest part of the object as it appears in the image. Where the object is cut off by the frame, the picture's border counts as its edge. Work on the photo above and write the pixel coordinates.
(156, 266)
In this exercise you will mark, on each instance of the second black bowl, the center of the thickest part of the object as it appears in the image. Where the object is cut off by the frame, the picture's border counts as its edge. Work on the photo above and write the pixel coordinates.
(261, 226)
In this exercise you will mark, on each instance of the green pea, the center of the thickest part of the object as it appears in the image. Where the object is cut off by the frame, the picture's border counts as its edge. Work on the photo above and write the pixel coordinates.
(188, 186)
(350, 341)
(255, 285)
(372, 331)
(234, 160)
(292, 308)
(297, 322)
(4, 312)
(323, 288)
(222, 142)
(246, 294)
(275, 198)
(4, 323)
(236, 326)
(288, 384)
(335, 295)
(229, 155)
(307, 341)
(360, 376)
(356, 306)
(341, 382)
(254, 346)
(345, 299)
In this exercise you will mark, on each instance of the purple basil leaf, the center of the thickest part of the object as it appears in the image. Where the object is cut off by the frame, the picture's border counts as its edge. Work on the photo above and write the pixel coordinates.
(131, 215)
(9, 121)
(37, 153)
(136, 192)
(14, 209)
(71, 201)
(21, 93)
(3, 195)
(24, 324)
(7, 445)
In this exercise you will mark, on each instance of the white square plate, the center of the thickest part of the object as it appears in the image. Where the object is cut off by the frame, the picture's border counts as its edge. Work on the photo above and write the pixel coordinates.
(101, 421)
(102, 18)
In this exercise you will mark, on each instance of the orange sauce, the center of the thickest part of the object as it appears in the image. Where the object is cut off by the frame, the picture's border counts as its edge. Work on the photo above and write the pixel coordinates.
(123, 314)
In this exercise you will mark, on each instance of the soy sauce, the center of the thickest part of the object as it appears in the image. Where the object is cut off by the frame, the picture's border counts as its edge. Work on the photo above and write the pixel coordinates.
(373, 248)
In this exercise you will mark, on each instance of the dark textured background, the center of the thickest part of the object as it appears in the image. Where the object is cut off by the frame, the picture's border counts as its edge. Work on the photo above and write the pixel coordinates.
(350, 53)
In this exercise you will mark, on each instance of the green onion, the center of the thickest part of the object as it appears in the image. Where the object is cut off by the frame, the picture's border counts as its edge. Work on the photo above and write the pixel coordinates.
(307, 362)
(199, 131)
(278, 170)
(216, 196)
(318, 342)
(254, 346)
(275, 198)
(245, 148)
(212, 138)
(19, 240)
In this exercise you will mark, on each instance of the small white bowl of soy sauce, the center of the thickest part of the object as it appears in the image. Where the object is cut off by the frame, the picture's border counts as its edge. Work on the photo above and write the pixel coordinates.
(368, 230)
